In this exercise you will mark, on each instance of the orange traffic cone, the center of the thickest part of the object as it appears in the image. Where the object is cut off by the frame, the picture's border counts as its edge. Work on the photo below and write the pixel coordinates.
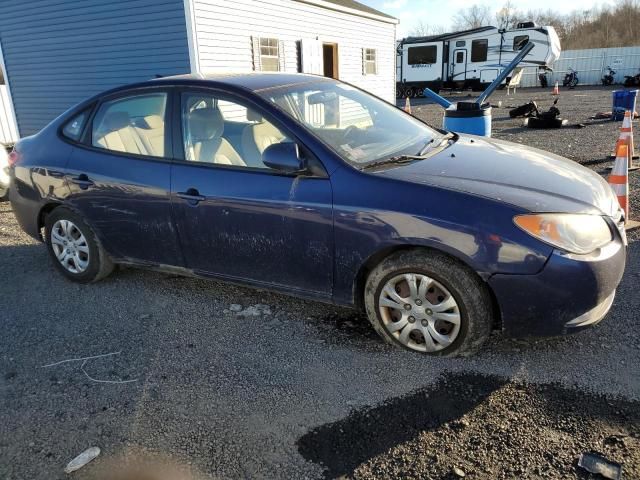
(619, 178)
(626, 138)
(407, 106)
(556, 89)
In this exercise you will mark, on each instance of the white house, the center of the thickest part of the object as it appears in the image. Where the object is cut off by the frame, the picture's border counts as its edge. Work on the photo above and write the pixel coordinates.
(57, 52)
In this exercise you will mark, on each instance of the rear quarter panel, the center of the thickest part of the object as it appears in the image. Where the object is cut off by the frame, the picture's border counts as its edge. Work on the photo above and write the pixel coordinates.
(38, 177)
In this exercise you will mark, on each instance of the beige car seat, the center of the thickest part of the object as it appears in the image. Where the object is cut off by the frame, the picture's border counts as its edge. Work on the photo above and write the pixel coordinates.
(117, 133)
(257, 137)
(205, 127)
(151, 130)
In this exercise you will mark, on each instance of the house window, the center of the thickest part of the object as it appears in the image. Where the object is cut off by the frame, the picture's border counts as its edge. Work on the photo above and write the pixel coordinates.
(370, 61)
(269, 55)
(423, 55)
(519, 42)
(479, 49)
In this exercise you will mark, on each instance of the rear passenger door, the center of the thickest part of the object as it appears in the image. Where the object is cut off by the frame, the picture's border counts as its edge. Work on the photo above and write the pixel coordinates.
(119, 176)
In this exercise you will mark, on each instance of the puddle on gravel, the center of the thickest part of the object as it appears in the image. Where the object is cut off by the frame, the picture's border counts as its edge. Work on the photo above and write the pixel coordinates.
(484, 425)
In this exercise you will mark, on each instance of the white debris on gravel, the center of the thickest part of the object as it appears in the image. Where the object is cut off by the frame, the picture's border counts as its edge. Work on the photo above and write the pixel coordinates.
(81, 460)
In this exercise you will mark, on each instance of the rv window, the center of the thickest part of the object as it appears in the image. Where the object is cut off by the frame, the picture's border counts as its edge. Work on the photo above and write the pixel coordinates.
(519, 42)
(479, 50)
(459, 57)
(460, 43)
(269, 55)
(370, 64)
(422, 55)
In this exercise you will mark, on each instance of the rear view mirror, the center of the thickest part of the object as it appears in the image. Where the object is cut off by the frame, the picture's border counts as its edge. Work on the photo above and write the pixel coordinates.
(322, 97)
(283, 157)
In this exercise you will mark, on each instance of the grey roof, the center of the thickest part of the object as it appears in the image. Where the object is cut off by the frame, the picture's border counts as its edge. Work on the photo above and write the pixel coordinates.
(446, 36)
(358, 6)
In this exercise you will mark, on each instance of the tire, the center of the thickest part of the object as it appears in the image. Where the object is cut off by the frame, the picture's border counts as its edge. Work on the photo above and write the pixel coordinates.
(445, 277)
(536, 122)
(573, 83)
(90, 261)
(4, 194)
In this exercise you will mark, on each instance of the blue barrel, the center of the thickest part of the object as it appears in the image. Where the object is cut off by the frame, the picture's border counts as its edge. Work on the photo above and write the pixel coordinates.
(468, 117)
(623, 100)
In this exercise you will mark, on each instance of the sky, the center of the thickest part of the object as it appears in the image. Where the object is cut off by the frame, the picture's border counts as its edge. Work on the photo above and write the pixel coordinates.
(440, 12)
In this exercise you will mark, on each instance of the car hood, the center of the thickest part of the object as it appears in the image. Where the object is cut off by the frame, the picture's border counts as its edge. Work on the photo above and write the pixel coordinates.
(532, 179)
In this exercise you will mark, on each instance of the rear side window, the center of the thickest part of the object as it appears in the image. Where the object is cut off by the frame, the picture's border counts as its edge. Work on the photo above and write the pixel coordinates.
(133, 124)
(423, 55)
(479, 50)
(519, 42)
(73, 128)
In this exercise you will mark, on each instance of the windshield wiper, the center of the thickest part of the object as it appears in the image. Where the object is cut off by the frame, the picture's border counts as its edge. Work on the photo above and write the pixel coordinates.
(398, 160)
(422, 154)
(444, 139)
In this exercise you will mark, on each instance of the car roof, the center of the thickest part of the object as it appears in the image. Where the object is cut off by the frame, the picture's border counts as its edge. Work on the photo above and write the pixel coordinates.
(253, 81)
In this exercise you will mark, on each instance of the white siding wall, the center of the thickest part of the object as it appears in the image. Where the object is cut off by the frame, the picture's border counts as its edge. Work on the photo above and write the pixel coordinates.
(224, 30)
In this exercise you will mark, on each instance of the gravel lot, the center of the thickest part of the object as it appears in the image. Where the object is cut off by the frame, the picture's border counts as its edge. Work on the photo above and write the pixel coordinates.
(295, 389)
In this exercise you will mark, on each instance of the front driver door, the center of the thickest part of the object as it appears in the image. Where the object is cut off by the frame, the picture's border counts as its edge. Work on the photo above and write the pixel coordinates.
(235, 217)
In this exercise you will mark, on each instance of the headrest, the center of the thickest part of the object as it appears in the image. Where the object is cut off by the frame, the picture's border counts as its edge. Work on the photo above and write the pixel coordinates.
(116, 121)
(154, 122)
(254, 116)
(205, 124)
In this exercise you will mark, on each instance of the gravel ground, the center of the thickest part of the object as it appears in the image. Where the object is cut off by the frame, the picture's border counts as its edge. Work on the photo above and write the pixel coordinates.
(287, 388)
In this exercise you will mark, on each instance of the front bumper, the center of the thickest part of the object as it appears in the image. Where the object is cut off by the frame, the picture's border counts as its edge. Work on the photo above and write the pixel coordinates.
(571, 292)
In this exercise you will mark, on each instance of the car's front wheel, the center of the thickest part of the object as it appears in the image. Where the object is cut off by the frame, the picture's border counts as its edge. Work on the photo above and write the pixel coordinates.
(428, 302)
(74, 248)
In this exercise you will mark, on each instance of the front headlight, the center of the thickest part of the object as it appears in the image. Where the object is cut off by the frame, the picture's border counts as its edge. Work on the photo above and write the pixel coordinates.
(579, 234)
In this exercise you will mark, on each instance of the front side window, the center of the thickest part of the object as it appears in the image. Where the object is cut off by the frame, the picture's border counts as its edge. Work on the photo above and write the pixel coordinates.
(479, 49)
(359, 127)
(269, 55)
(422, 55)
(370, 61)
(519, 42)
(73, 128)
(225, 132)
(133, 125)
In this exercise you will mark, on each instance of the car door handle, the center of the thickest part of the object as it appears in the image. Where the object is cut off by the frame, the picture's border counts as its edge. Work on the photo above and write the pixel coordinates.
(192, 196)
(82, 181)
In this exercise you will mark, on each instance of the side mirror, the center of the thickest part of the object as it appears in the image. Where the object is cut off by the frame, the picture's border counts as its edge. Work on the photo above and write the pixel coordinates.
(283, 157)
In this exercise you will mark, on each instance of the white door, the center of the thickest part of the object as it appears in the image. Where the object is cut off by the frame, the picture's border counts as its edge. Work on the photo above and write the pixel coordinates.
(8, 126)
(459, 71)
(312, 59)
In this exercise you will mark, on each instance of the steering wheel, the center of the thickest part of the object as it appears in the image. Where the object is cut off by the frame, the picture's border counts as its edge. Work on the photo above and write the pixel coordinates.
(349, 132)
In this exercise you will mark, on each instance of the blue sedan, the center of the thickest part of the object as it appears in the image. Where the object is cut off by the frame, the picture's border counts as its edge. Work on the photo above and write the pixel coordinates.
(312, 187)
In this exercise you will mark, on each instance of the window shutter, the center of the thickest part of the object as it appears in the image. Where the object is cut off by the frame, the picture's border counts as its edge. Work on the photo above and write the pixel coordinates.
(255, 43)
(364, 61)
(281, 60)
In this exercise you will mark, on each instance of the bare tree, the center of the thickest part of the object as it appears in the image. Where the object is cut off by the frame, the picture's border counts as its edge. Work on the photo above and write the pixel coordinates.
(507, 16)
(420, 29)
(472, 17)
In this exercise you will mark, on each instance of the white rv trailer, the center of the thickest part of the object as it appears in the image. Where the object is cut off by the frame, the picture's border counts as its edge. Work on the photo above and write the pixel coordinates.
(471, 58)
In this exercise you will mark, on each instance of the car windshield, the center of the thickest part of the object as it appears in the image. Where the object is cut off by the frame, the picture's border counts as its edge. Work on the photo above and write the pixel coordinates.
(361, 128)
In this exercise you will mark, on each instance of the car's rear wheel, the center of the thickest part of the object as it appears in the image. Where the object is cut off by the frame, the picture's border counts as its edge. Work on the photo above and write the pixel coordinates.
(4, 194)
(74, 248)
(428, 302)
